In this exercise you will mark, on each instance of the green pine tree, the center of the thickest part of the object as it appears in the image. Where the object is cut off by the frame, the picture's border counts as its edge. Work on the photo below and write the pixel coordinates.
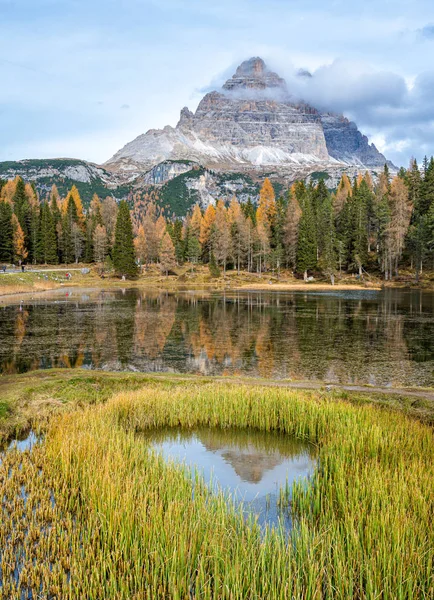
(33, 233)
(123, 249)
(277, 228)
(214, 271)
(327, 259)
(320, 202)
(427, 188)
(382, 219)
(6, 232)
(306, 244)
(22, 211)
(90, 226)
(419, 241)
(249, 210)
(69, 218)
(48, 237)
(361, 200)
(194, 249)
(343, 228)
(175, 232)
(414, 182)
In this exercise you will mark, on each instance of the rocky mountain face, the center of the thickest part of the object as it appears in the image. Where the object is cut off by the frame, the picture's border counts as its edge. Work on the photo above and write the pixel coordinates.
(346, 144)
(251, 124)
(64, 173)
(249, 129)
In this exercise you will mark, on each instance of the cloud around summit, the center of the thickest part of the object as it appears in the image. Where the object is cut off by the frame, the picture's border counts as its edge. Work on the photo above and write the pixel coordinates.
(396, 113)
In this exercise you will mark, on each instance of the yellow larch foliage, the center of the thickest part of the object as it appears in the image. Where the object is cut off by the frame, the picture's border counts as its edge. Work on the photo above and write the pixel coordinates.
(267, 204)
(32, 196)
(55, 194)
(195, 221)
(19, 243)
(234, 211)
(160, 227)
(8, 190)
(344, 190)
(206, 224)
(75, 195)
(140, 245)
(95, 204)
(369, 181)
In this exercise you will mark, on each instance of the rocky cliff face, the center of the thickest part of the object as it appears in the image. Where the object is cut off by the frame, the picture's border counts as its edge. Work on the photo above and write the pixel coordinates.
(346, 144)
(252, 123)
(64, 173)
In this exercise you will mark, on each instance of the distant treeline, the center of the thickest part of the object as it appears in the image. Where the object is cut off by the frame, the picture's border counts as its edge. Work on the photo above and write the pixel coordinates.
(361, 227)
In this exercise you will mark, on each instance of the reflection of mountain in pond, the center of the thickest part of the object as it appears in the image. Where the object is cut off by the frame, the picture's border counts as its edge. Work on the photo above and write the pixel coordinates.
(248, 466)
(251, 466)
(251, 453)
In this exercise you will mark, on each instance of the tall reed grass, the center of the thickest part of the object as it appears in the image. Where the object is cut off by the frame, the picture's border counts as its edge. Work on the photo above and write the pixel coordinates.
(111, 519)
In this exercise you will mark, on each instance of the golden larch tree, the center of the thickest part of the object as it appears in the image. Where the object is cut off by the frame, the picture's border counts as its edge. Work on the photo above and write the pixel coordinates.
(239, 231)
(141, 246)
(206, 227)
(196, 221)
(8, 190)
(20, 251)
(31, 196)
(100, 243)
(265, 216)
(401, 209)
(95, 205)
(369, 181)
(221, 238)
(167, 254)
(74, 194)
(160, 227)
(54, 195)
(267, 204)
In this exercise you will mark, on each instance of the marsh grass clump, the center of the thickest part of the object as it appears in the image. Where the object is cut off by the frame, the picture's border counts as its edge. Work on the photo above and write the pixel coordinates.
(93, 512)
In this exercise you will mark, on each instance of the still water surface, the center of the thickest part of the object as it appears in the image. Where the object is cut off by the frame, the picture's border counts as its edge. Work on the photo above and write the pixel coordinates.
(254, 469)
(359, 337)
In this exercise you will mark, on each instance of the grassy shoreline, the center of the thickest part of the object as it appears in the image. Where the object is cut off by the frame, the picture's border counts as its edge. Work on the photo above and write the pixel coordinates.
(124, 523)
(12, 284)
(32, 399)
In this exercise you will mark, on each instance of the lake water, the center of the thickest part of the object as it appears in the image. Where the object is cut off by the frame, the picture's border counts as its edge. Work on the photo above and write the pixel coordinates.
(254, 469)
(358, 337)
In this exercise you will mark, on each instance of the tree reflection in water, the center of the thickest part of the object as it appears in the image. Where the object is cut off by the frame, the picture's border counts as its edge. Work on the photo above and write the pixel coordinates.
(361, 337)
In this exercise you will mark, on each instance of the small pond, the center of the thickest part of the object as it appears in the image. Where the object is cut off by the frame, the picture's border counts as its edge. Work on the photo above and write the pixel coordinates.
(256, 469)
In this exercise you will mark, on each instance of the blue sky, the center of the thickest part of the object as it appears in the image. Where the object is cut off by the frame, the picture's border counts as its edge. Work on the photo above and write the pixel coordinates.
(80, 78)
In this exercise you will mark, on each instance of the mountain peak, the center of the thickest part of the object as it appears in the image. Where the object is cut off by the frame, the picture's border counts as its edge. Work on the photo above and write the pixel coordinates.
(253, 123)
(254, 74)
(254, 66)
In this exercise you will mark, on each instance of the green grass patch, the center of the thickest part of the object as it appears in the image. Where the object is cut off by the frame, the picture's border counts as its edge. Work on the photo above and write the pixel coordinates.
(4, 409)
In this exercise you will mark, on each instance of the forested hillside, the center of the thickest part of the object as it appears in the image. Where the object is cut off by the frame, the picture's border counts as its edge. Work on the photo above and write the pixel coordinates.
(361, 227)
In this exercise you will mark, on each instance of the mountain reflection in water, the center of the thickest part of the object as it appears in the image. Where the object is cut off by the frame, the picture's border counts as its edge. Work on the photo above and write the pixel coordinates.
(360, 337)
(249, 465)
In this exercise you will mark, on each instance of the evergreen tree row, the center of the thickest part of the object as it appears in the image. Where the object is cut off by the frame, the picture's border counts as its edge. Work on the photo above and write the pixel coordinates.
(360, 227)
